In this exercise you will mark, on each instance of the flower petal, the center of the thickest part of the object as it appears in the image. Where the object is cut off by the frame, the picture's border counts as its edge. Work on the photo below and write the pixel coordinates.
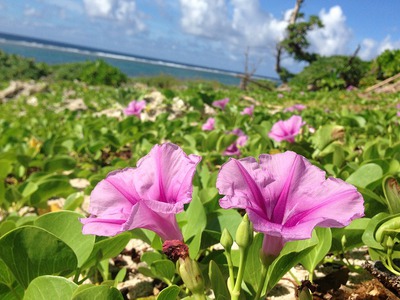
(336, 204)
(116, 192)
(221, 103)
(286, 130)
(302, 198)
(102, 227)
(243, 183)
(165, 225)
(163, 178)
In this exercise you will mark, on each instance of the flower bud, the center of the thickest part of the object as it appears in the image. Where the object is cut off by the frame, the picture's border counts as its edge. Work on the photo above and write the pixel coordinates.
(389, 243)
(391, 190)
(244, 233)
(226, 240)
(191, 275)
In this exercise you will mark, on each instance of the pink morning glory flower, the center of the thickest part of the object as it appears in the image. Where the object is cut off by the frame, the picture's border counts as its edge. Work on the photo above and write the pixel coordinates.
(221, 103)
(135, 108)
(285, 197)
(295, 107)
(148, 196)
(234, 148)
(248, 111)
(398, 113)
(286, 130)
(209, 124)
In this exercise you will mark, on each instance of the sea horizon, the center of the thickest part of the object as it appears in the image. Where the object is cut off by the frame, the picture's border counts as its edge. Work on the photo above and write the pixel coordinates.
(20, 45)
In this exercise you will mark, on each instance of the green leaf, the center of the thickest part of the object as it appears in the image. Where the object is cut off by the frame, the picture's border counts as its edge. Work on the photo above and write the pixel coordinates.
(66, 226)
(368, 193)
(225, 140)
(317, 254)
(368, 236)
(73, 201)
(5, 274)
(253, 263)
(28, 188)
(55, 186)
(325, 135)
(101, 292)
(169, 293)
(349, 237)
(107, 248)
(291, 254)
(197, 216)
(163, 269)
(59, 163)
(13, 292)
(210, 143)
(6, 226)
(365, 175)
(224, 218)
(142, 234)
(149, 257)
(218, 282)
(30, 252)
(5, 168)
(49, 288)
(120, 276)
(192, 230)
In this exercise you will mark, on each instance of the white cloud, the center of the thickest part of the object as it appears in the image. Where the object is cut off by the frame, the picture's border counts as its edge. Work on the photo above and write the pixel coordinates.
(388, 44)
(206, 18)
(371, 48)
(122, 11)
(99, 8)
(236, 23)
(30, 12)
(334, 37)
(256, 27)
(236, 26)
(367, 49)
(66, 5)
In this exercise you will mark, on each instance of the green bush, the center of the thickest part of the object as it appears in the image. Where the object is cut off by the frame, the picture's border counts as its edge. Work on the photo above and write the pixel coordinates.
(333, 72)
(14, 67)
(91, 72)
(387, 64)
(161, 81)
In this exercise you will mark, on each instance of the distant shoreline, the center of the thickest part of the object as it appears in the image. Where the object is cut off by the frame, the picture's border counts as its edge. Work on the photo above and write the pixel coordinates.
(83, 50)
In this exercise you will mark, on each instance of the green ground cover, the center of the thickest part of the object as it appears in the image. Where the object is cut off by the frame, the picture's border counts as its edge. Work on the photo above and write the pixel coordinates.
(46, 142)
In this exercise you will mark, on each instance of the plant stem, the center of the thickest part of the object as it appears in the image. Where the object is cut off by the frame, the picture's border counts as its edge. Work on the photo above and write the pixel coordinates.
(76, 277)
(311, 274)
(199, 297)
(262, 282)
(392, 268)
(231, 279)
(242, 264)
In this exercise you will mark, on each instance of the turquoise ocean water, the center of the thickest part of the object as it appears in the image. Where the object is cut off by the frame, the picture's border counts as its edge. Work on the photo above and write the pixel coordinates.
(58, 53)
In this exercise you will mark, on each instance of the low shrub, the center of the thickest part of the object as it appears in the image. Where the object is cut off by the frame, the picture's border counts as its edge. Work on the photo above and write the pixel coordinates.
(14, 67)
(334, 72)
(91, 72)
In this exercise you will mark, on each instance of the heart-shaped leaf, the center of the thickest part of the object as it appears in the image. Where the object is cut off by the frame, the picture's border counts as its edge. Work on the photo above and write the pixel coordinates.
(49, 287)
(30, 252)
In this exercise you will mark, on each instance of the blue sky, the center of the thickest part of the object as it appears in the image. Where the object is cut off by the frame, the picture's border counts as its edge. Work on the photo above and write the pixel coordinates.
(211, 33)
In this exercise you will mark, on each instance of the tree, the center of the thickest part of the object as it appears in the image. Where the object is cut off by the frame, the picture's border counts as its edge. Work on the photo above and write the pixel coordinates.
(295, 43)
(245, 78)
